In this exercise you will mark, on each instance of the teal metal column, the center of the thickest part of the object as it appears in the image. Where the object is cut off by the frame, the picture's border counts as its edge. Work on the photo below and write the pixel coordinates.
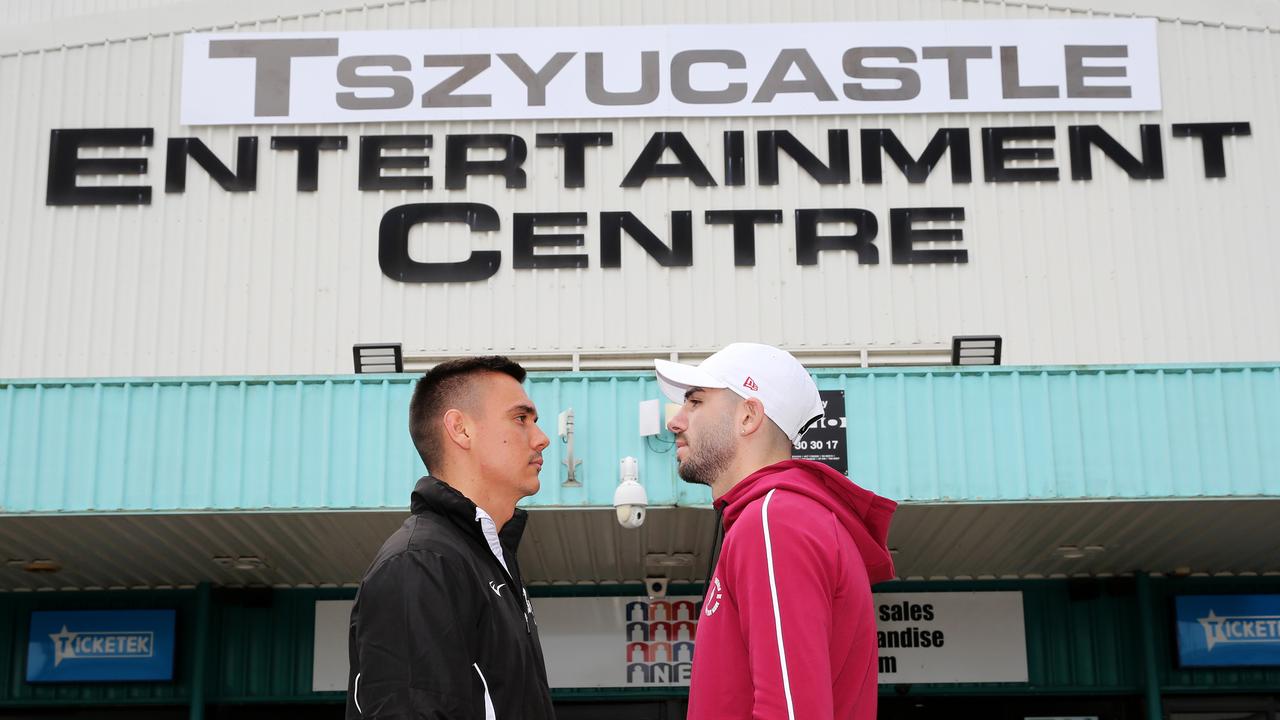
(1150, 673)
(200, 665)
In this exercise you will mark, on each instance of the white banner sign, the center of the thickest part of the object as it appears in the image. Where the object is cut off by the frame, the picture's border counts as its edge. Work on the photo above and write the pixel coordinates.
(671, 71)
(618, 641)
(330, 662)
(948, 637)
(951, 637)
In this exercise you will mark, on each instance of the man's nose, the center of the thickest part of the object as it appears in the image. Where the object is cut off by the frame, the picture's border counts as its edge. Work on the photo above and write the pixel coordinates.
(677, 424)
(540, 439)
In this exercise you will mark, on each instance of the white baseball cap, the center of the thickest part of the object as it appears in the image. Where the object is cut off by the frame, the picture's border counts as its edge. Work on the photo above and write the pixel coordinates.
(772, 376)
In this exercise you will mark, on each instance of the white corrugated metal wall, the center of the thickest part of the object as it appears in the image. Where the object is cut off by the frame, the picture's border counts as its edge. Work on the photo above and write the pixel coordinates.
(24, 13)
(213, 283)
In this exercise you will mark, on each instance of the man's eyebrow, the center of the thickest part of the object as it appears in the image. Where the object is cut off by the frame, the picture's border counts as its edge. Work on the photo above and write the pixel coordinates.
(691, 391)
(523, 409)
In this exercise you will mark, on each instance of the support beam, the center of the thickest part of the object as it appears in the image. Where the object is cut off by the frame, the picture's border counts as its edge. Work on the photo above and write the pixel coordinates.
(1150, 672)
(199, 669)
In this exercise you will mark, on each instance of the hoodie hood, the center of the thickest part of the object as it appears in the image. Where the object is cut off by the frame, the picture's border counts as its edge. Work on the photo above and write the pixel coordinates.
(863, 513)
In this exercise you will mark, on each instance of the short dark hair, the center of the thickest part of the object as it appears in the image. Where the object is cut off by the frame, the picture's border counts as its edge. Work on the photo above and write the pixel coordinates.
(445, 386)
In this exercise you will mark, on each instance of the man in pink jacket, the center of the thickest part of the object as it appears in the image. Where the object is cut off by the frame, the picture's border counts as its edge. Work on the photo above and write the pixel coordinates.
(788, 625)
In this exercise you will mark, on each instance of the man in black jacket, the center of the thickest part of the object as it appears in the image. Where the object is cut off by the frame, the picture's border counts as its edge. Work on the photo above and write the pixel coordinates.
(442, 626)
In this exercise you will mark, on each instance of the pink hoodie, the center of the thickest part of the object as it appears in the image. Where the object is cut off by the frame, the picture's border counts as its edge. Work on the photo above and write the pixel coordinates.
(788, 627)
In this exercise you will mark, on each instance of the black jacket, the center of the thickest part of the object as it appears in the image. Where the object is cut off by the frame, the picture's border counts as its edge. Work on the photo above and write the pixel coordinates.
(439, 630)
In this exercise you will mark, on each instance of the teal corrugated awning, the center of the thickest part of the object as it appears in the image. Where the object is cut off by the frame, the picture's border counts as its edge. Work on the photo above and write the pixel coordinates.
(915, 435)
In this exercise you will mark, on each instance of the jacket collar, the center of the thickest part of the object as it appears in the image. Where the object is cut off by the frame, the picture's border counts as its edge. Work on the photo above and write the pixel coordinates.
(435, 495)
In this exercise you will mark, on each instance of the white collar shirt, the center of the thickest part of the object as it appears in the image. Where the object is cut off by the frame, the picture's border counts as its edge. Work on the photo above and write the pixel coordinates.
(490, 530)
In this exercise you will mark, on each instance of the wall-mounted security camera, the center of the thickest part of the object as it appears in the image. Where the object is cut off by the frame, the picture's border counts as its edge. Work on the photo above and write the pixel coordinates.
(630, 500)
(655, 587)
(564, 424)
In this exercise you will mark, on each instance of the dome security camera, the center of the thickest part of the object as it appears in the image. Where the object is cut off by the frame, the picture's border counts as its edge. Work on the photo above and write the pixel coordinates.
(630, 500)
(655, 587)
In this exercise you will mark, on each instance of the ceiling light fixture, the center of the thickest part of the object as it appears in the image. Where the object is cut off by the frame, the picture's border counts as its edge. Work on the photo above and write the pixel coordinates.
(42, 566)
(1070, 552)
(681, 559)
(242, 562)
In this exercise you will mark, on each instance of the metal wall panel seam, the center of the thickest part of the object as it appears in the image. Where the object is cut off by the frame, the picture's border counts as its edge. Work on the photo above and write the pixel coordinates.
(1194, 430)
(155, 432)
(1199, 272)
(903, 456)
(1260, 426)
(65, 284)
(1103, 415)
(182, 490)
(933, 449)
(1218, 428)
(92, 217)
(1239, 438)
(1263, 199)
(385, 492)
(1022, 465)
(8, 135)
(1168, 441)
(7, 431)
(1274, 428)
(23, 330)
(1076, 433)
(1000, 479)
(1232, 330)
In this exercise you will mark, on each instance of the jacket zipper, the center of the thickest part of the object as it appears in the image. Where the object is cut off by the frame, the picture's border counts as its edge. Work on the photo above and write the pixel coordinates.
(510, 580)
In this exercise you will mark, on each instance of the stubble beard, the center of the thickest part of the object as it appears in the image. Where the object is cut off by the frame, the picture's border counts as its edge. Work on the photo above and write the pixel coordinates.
(712, 456)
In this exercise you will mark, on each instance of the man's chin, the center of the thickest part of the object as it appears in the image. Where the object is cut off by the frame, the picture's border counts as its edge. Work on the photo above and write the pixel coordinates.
(690, 477)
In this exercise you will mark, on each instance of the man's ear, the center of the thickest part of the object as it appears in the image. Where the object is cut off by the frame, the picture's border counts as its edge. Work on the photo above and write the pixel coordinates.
(457, 428)
(752, 416)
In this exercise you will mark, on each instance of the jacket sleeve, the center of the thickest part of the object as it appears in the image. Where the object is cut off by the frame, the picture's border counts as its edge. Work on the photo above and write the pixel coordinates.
(783, 582)
(409, 643)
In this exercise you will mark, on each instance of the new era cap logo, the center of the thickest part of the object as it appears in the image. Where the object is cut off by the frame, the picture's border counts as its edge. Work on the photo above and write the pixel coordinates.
(751, 385)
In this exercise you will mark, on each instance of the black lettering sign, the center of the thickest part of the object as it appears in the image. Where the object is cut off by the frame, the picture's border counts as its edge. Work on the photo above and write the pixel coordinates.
(827, 441)
(66, 165)
(393, 243)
